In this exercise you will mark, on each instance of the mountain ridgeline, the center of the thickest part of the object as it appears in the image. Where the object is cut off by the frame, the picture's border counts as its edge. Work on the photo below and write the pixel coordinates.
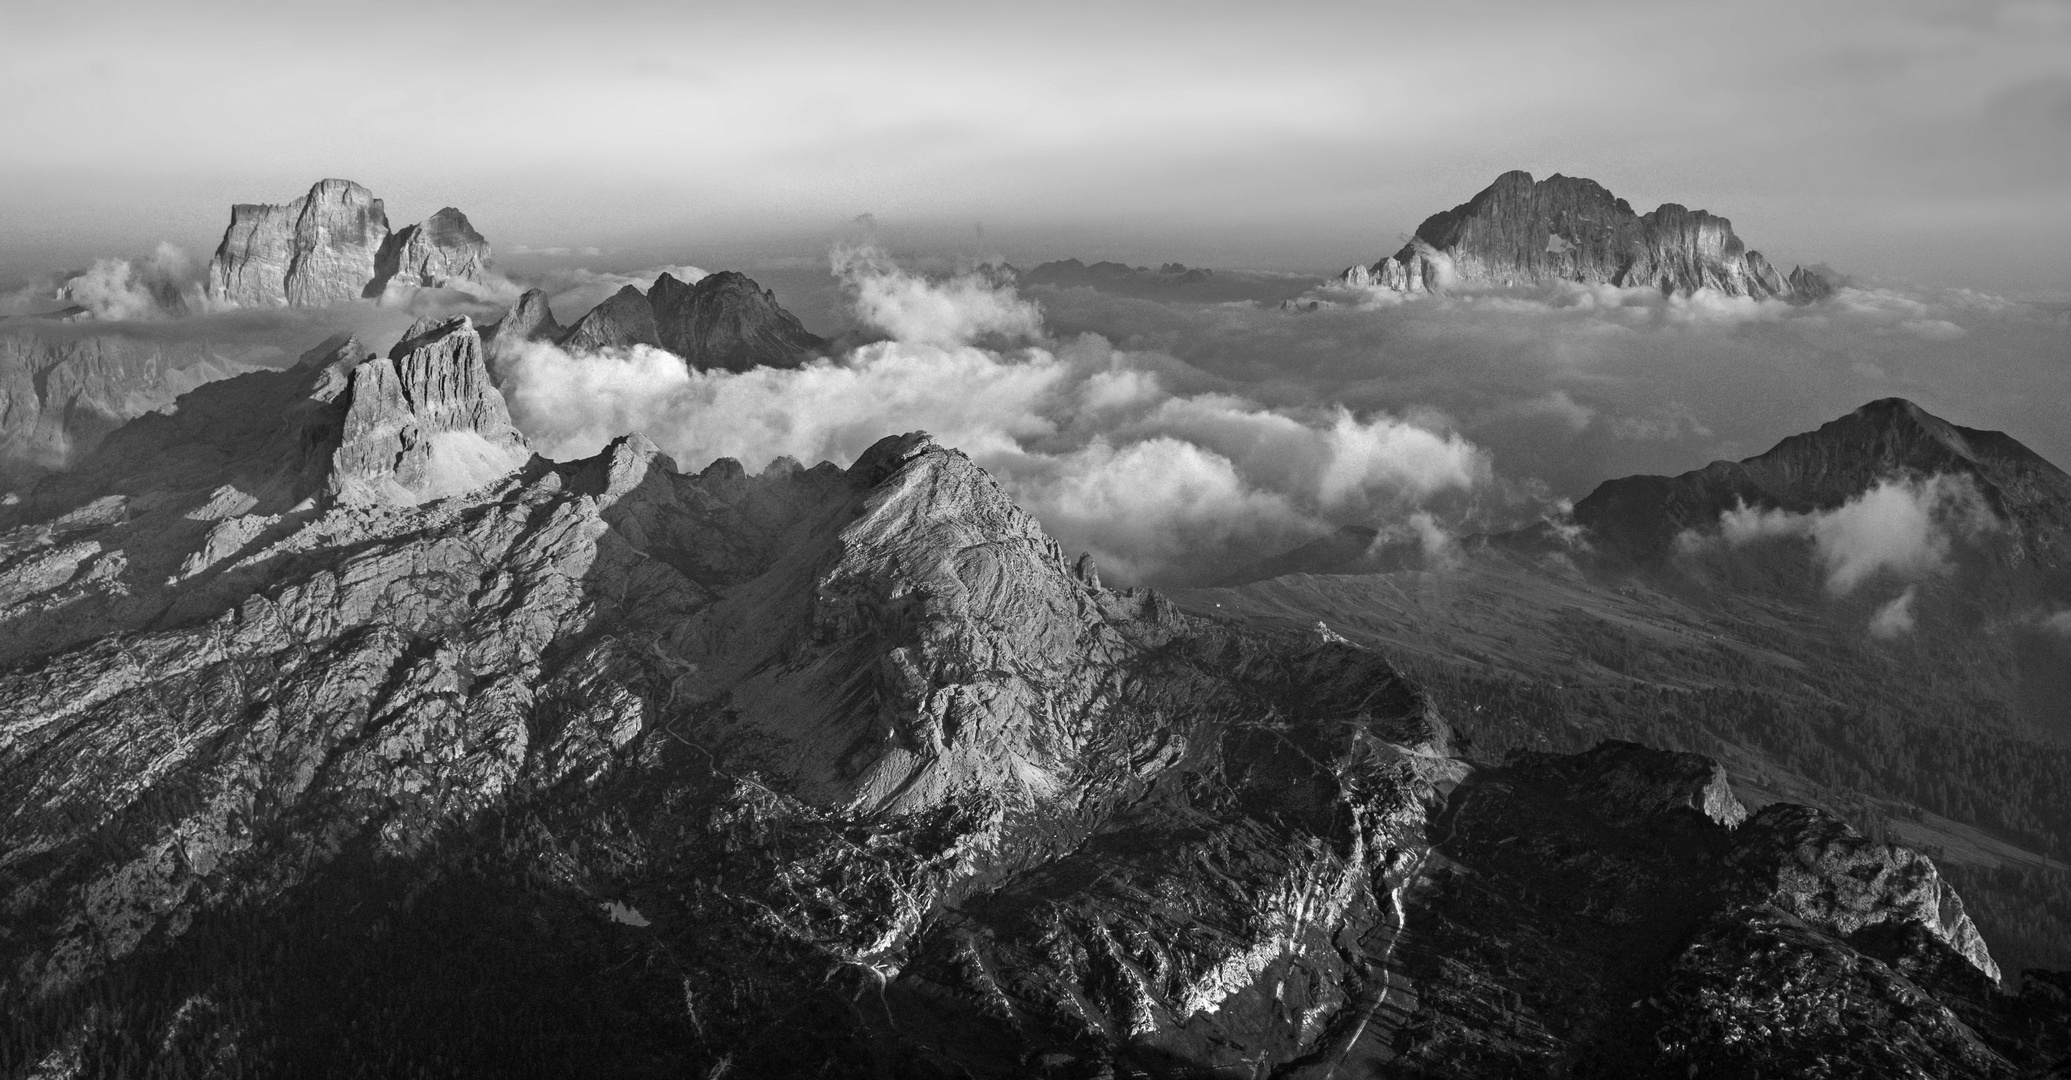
(340, 736)
(1518, 231)
(723, 321)
(1640, 517)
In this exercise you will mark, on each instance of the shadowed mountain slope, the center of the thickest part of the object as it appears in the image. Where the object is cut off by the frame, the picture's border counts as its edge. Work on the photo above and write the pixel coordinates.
(1640, 516)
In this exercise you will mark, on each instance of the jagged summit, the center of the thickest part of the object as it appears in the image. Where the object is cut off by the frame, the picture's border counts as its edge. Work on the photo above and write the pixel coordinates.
(334, 245)
(425, 422)
(724, 321)
(1820, 470)
(623, 320)
(1518, 231)
(727, 321)
(443, 249)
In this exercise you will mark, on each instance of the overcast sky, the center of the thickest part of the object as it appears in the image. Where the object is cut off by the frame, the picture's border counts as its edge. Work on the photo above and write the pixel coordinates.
(1906, 141)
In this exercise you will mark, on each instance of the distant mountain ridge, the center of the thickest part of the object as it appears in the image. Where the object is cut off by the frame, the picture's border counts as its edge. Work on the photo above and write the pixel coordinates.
(333, 245)
(725, 321)
(1518, 231)
(1640, 516)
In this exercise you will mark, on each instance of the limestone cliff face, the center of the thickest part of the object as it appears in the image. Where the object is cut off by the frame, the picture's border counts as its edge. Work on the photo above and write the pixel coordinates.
(319, 249)
(425, 422)
(443, 249)
(1521, 232)
(334, 245)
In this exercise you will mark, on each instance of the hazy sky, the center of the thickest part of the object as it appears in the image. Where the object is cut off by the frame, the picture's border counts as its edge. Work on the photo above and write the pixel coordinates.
(1907, 141)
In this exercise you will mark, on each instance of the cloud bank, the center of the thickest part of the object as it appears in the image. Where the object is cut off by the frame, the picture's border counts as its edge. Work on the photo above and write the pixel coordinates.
(1159, 483)
(1569, 385)
(1905, 527)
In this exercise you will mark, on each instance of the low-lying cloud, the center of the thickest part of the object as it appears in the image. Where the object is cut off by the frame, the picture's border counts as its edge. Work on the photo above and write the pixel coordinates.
(1895, 619)
(1159, 483)
(1570, 385)
(1905, 527)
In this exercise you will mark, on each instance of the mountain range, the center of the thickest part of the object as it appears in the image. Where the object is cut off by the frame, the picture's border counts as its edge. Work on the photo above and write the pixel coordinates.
(343, 735)
(1518, 231)
(724, 321)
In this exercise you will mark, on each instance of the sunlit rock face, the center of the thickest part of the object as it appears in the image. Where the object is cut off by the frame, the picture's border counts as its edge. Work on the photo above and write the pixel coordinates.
(334, 245)
(424, 422)
(443, 249)
(1521, 232)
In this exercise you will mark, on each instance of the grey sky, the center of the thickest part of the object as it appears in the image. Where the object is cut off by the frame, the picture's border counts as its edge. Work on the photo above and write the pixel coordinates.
(1907, 141)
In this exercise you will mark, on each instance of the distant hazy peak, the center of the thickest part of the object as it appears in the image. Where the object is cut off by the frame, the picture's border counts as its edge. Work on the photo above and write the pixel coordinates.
(724, 321)
(1519, 231)
(333, 245)
(1819, 470)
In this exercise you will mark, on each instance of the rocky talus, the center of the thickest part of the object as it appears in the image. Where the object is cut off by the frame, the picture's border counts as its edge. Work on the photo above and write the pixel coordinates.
(607, 768)
(1518, 231)
(334, 245)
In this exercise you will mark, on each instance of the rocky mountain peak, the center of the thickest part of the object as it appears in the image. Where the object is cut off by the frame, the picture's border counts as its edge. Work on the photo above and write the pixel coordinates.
(442, 249)
(724, 321)
(1891, 438)
(425, 422)
(727, 321)
(623, 320)
(1519, 231)
(334, 245)
(530, 319)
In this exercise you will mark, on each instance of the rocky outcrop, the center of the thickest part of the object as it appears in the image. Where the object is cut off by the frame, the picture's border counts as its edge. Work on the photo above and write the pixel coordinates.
(425, 422)
(443, 249)
(334, 245)
(727, 322)
(1521, 232)
(1640, 517)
